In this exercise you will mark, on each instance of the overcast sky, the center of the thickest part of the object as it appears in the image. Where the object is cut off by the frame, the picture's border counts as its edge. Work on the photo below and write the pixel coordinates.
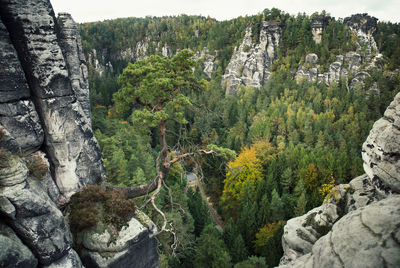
(94, 10)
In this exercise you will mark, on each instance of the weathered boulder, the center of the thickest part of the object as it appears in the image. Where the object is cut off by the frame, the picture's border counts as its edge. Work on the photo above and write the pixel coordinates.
(250, 63)
(309, 71)
(366, 237)
(13, 253)
(381, 150)
(301, 233)
(362, 193)
(132, 246)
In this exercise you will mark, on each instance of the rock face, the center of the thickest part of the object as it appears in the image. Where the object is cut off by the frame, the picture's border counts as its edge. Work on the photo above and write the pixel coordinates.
(381, 150)
(318, 25)
(17, 112)
(13, 253)
(56, 79)
(70, 43)
(208, 61)
(130, 246)
(250, 63)
(33, 216)
(358, 224)
(45, 114)
(362, 26)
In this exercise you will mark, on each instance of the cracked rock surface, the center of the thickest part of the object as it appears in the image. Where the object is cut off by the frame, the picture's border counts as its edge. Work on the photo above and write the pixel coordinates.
(250, 63)
(363, 227)
(47, 104)
(33, 216)
(381, 150)
(134, 245)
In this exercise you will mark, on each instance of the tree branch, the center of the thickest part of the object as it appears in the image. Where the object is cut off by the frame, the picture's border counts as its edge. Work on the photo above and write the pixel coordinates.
(139, 101)
(182, 156)
(135, 191)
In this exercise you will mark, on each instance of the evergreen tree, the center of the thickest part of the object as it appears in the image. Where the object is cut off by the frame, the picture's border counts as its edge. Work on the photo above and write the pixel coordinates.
(247, 220)
(238, 252)
(301, 205)
(210, 250)
(252, 262)
(199, 210)
(276, 207)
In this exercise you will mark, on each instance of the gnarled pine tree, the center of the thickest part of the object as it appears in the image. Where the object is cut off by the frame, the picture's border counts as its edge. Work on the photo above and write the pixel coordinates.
(152, 90)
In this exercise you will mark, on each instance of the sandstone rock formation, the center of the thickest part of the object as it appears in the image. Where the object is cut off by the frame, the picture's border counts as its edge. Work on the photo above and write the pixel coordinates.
(13, 253)
(250, 63)
(34, 216)
(133, 244)
(208, 61)
(381, 150)
(45, 117)
(362, 26)
(55, 79)
(318, 25)
(358, 224)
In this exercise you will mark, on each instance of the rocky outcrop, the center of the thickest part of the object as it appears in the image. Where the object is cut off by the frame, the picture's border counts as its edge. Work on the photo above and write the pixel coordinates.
(33, 216)
(363, 26)
(45, 119)
(355, 63)
(381, 150)
(358, 223)
(318, 25)
(207, 59)
(309, 70)
(134, 245)
(13, 253)
(250, 63)
(44, 107)
(70, 43)
(17, 112)
(51, 58)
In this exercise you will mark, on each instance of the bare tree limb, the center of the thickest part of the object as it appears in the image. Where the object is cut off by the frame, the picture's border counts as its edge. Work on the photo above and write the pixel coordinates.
(135, 191)
(182, 156)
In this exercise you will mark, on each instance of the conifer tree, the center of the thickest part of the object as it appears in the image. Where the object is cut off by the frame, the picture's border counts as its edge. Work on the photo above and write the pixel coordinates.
(210, 250)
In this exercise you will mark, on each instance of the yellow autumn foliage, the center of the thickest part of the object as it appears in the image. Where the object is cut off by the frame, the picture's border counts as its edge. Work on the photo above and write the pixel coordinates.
(265, 234)
(246, 168)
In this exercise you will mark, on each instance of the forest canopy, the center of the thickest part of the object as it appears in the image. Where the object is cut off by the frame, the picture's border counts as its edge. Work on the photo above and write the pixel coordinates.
(287, 143)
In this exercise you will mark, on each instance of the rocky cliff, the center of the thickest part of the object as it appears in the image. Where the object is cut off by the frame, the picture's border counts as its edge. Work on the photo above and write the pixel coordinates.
(250, 63)
(352, 66)
(358, 223)
(318, 25)
(47, 148)
(55, 83)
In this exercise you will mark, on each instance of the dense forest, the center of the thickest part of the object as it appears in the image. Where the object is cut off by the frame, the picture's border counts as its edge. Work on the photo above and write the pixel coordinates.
(292, 140)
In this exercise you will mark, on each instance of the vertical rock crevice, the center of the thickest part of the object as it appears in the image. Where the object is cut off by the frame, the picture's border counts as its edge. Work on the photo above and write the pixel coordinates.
(51, 57)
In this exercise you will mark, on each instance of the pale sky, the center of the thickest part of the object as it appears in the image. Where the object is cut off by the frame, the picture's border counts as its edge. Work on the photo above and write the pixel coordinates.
(95, 10)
